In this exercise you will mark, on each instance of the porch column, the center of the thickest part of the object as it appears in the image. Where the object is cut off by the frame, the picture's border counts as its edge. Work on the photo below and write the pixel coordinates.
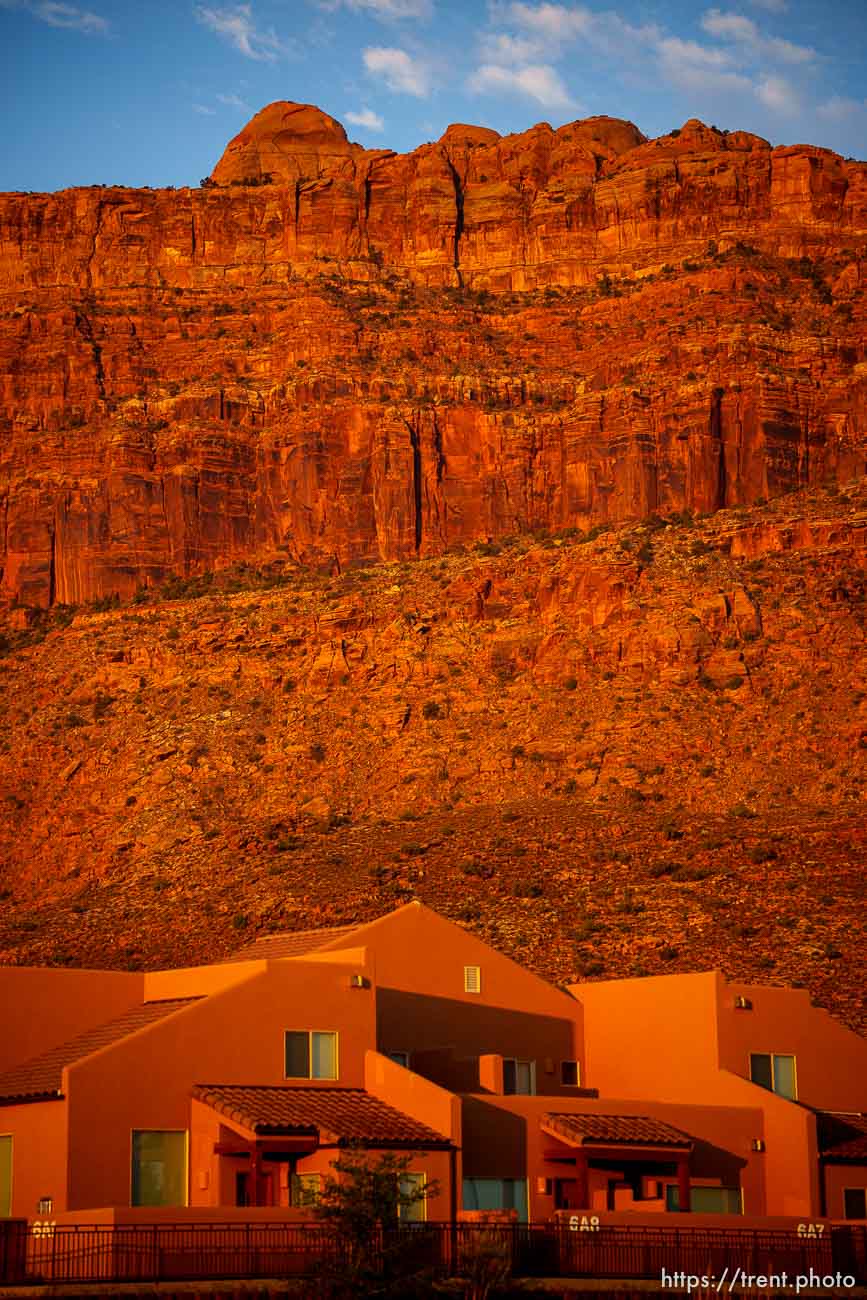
(255, 1167)
(582, 1189)
(683, 1183)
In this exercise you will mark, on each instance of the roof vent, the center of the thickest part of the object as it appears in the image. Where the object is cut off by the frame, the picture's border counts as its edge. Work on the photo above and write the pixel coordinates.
(743, 1004)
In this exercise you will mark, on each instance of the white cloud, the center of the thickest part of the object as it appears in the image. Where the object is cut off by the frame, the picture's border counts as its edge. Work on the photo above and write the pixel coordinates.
(235, 101)
(366, 118)
(236, 24)
(204, 110)
(393, 9)
(556, 22)
(729, 26)
(745, 33)
(57, 14)
(840, 109)
(500, 47)
(694, 67)
(399, 70)
(779, 95)
(538, 81)
(547, 29)
(772, 6)
(690, 52)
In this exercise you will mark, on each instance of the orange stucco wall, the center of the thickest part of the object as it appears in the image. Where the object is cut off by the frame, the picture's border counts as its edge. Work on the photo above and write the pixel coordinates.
(236, 1036)
(38, 1132)
(42, 1008)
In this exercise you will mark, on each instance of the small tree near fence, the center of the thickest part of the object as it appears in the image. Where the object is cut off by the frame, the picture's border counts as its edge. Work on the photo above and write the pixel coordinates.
(365, 1201)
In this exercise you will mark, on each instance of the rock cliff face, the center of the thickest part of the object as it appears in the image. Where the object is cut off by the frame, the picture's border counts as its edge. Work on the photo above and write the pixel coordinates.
(333, 355)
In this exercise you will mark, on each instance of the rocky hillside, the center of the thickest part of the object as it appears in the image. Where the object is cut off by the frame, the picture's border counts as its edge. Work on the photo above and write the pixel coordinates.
(340, 356)
(639, 749)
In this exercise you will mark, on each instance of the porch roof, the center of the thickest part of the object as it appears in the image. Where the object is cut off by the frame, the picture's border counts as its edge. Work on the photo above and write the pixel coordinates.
(843, 1137)
(334, 1115)
(41, 1078)
(581, 1130)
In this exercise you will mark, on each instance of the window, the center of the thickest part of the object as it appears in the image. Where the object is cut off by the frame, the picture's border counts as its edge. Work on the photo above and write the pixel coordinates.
(310, 1054)
(410, 1184)
(472, 979)
(519, 1077)
(776, 1073)
(5, 1176)
(855, 1203)
(570, 1076)
(159, 1167)
(706, 1200)
(400, 1058)
(306, 1189)
(496, 1194)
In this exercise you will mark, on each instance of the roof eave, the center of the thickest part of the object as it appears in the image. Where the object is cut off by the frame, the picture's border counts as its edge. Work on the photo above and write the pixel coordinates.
(24, 1098)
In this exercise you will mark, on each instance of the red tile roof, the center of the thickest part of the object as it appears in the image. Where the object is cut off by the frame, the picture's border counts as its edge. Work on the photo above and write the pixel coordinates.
(622, 1130)
(292, 944)
(42, 1076)
(843, 1136)
(334, 1114)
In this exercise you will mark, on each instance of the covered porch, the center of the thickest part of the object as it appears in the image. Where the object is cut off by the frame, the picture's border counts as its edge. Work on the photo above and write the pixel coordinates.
(617, 1162)
(273, 1146)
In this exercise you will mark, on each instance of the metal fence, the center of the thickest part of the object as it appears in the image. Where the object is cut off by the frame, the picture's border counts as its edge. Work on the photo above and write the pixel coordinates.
(198, 1251)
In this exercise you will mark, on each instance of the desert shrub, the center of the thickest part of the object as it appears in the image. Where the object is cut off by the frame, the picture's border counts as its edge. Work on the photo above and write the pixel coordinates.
(527, 889)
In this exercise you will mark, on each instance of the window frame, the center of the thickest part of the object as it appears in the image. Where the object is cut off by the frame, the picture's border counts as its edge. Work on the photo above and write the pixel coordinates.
(478, 977)
(516, 1061)
(577, 1083)
(301, 1197)
(508, 1188)
(132, 1135)
(420, 1178)
(11, 1137)
(671, 1196)
(398, 1052)
(310, 1076)
(772, 1057)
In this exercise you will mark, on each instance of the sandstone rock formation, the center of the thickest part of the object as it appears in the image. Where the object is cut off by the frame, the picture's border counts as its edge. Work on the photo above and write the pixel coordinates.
(381, 356)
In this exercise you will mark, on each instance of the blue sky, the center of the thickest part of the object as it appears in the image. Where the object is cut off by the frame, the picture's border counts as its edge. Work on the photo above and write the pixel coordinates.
(149, 92)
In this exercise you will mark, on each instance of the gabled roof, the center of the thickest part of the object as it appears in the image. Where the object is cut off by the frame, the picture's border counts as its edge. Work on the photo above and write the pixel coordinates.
(293, 944)
(608, 1130)
(842, 1137)
(42, 1076)
(334, 1115)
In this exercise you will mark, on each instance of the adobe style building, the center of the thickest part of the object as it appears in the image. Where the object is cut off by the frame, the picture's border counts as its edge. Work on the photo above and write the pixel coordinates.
(228, 1090)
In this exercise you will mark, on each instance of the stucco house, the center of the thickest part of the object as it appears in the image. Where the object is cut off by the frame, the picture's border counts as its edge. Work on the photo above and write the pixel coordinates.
(231, 1087)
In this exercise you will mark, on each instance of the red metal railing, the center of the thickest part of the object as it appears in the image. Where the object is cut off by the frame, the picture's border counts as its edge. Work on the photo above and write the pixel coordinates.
(179, 1252)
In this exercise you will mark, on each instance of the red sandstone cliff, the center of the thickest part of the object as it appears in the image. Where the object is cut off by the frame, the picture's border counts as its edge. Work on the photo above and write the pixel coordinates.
(379, 356)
